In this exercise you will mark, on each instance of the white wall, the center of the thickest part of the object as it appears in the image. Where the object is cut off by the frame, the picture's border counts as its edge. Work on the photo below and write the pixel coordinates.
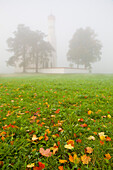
(62, 70)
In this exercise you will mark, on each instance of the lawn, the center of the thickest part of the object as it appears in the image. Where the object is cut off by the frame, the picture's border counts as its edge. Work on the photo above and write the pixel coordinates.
(56, 122)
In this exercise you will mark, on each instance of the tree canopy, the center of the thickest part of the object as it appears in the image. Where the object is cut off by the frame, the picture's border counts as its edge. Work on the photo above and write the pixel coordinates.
(84, 48)
(28, 47)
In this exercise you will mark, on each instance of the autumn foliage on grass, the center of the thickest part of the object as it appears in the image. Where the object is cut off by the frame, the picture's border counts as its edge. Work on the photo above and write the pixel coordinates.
(56, 122)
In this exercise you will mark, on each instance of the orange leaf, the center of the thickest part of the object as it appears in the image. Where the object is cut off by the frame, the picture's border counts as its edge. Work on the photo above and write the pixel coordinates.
(95, 133)
(60, 168)
(74, 159)
(84, 125)
(101, 142)
(85, 159)
(89, 150)
(107, 156)
(70, 142)
(89, 112)
(80, 120)
(11, 142)
(40, 137)
(37, 121)
(46, 137)
(62, 161)
(78, 140)
(48, 131)
(75, 135)
(57, 111)
(2, 138)
(108, 138)
(71, 159)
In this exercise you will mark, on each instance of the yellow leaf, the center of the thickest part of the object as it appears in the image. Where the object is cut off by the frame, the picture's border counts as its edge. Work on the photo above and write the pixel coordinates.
(69, 146)
(102, 136)
(30, 165)
(109, 116)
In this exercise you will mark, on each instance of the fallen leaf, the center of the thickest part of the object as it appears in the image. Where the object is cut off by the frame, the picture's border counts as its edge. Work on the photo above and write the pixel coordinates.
(46, 137)
(84, 125)
(89, 112)
(108, 138)
(80, 120)
(57, 111)
(109, 116)
(34, 137)
(78, 140)
(60, 168)
(74, 158)
(107, 156)
(102, 136)
(69, 146)
(70, 142)
(40, 138)
(91, 138)
(85, 159)
(62, 161)
(30, 165)
(46, 152)
(48, 131)
(54, 148)
(101, 142)
(89, 150)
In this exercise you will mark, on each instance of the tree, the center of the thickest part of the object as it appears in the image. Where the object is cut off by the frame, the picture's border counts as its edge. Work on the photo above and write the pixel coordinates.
(84, 48)
(18, 45)
(28, 47)
(41, 50)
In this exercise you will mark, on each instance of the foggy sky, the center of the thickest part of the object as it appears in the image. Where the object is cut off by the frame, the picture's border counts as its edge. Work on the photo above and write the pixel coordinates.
(70, 15)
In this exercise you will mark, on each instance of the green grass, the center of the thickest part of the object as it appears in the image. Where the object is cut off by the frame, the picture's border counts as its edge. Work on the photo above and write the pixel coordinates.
(22, 97)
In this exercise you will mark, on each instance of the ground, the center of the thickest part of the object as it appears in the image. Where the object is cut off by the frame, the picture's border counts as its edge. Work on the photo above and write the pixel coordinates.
(56, 121)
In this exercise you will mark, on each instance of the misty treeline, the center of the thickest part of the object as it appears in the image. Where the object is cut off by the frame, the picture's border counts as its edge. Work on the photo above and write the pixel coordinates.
(84, 48)
(30, 48)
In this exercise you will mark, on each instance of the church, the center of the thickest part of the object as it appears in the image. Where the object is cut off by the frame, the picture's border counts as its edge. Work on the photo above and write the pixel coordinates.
(50, 65)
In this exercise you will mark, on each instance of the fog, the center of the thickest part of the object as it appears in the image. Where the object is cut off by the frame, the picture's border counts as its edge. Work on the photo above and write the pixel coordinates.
(70, 15)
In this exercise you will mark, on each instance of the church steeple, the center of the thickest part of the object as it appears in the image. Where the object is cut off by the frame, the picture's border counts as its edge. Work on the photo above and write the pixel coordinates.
(52, 38)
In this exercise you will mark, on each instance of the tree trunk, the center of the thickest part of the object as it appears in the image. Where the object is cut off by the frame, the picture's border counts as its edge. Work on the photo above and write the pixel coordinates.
(36, 64)
(77, 65)
(24, 62)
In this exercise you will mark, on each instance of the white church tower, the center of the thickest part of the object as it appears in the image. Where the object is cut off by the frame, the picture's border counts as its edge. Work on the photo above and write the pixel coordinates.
(52, 39)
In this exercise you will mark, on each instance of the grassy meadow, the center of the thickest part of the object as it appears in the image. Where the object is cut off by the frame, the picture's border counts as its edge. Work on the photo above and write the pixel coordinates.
(56, 122)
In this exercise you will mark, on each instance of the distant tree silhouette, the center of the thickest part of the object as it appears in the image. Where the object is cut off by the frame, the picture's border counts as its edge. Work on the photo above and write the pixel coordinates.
(84, 48)
(28, 47)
